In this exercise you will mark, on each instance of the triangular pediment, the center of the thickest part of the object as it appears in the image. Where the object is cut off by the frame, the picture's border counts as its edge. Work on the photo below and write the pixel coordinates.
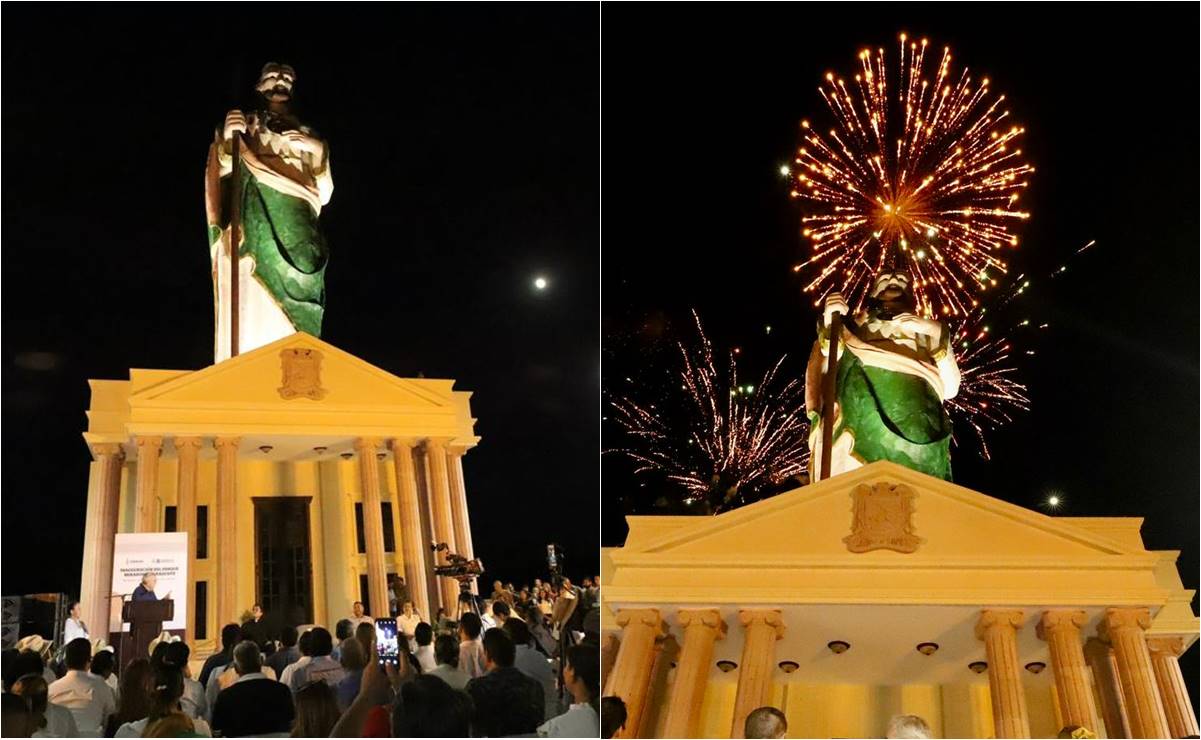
(950, 525)
(331, 379)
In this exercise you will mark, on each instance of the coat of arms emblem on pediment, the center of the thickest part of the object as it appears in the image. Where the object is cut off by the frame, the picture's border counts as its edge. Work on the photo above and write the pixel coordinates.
(882, 519)
(302, 374)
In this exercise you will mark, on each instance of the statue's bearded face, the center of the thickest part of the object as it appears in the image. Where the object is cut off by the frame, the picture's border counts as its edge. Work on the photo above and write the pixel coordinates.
(276, 81)
(890, 286)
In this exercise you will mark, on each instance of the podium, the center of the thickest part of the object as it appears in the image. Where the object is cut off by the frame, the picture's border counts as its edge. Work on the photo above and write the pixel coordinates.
(145, 623)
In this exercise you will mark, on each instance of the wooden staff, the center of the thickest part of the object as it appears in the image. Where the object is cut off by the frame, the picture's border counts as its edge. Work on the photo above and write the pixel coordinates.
(235, 222)
(829, 389)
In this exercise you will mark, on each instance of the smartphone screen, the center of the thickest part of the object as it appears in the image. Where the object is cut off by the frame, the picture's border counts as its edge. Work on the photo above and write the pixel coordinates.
(387, 642)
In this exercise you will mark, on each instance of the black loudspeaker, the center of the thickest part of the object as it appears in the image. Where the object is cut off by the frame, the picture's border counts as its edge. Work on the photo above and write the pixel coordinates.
(10, 623)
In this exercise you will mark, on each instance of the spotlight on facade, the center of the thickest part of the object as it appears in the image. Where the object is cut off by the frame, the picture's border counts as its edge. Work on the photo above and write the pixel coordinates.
(788, 666)
(978, 667)
(928, 648)
(838, 647)
(265, 449)
(347, 455)
(320, 450)
(380, 455)
(1036, 667)
(725, 666)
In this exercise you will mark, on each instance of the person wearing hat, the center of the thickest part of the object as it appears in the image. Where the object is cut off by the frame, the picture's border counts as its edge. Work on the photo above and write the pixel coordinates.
(43, 647)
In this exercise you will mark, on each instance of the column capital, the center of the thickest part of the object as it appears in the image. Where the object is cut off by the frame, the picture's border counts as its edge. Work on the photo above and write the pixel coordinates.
(773, 618)
(194, 443)
(149, 445)
(456, 450)
(436, 443)
(1119, 620)
(108, 449)
(367, 444)
(710, 618)
(1057, 620)
(991, 619)
(1169, 645)
(402, 443)
(648, 617)
(227, 442)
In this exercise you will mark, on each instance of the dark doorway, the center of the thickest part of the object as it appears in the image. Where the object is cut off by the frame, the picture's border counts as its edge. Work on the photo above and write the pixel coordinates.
(283, 565)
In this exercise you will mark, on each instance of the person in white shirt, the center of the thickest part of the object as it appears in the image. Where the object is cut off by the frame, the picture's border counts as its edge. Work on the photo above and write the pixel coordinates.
(46, 719)
(358, 616)
(407, 624)
(446, 653)
(88, 697)
(305, 646)
(424, 639)
(103, 663)
(581, 676)
(471, 648)
(534, 664)
(74, 626)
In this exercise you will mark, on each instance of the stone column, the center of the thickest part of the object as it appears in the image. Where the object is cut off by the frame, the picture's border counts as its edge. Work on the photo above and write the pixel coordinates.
(100, 531)
(227, 530)
(458, 501)
(187, 449)
(702, 628)
(412, 544)
(998, 630)
(1125, 630)
(631, 675)
(373, 525)
(1061, 631)
(761, 629)
(145, 499)
(443, 521)
(1165, 660)
(1110, 703)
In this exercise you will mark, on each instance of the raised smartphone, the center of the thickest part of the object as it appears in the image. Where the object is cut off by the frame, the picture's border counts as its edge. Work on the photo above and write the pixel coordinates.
(387, 642)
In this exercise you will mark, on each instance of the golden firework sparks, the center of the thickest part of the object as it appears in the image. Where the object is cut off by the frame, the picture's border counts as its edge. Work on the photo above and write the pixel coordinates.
(924, 172)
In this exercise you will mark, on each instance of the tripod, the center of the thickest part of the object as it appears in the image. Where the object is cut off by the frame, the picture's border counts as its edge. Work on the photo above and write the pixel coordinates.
(466, 597)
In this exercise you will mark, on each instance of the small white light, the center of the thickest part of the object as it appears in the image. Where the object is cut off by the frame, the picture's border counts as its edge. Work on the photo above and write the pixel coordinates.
(785, 170)
(1053, 501)
(540, 283)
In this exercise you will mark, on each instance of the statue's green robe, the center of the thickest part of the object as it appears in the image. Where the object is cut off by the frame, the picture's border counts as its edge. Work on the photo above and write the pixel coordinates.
(280, 230)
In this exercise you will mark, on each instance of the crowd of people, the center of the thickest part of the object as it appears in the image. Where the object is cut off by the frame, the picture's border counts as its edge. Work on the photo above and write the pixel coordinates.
(520, 662)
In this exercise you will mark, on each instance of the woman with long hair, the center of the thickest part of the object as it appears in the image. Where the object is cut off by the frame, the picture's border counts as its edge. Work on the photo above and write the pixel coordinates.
(133, 703)
(45, 719)
(581, 676)
(316, 710)
(166, 689)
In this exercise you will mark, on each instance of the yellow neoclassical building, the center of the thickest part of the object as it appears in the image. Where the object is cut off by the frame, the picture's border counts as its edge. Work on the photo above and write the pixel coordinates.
(302, 475)
(884, 591)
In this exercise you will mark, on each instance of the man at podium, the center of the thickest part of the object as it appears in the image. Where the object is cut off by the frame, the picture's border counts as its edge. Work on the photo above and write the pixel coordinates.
(145, 589)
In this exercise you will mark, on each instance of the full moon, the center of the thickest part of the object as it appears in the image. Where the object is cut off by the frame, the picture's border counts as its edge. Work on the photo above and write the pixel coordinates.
(540, 283)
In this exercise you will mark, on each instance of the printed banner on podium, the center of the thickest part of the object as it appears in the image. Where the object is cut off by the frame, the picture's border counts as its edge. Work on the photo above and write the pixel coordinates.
(165, 554)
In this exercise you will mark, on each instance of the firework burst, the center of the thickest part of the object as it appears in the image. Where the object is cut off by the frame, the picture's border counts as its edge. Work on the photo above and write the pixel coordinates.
(924, 173)
(723, 442)
(989, 393)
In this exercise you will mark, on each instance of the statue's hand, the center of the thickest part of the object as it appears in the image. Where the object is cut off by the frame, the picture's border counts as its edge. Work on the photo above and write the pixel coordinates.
(235, 122)
(919, 325)
(835, 303)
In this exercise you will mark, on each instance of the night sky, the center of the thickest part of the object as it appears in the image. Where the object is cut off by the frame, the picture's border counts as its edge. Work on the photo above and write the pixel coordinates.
(464, 146)
(702, 107)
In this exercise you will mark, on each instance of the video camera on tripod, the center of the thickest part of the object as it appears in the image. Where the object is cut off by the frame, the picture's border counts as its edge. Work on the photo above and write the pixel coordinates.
(462, 570)
(456, 566)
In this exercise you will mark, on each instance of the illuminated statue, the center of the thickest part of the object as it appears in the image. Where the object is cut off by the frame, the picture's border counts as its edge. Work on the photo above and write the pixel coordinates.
(284, 181)
(895, 370)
